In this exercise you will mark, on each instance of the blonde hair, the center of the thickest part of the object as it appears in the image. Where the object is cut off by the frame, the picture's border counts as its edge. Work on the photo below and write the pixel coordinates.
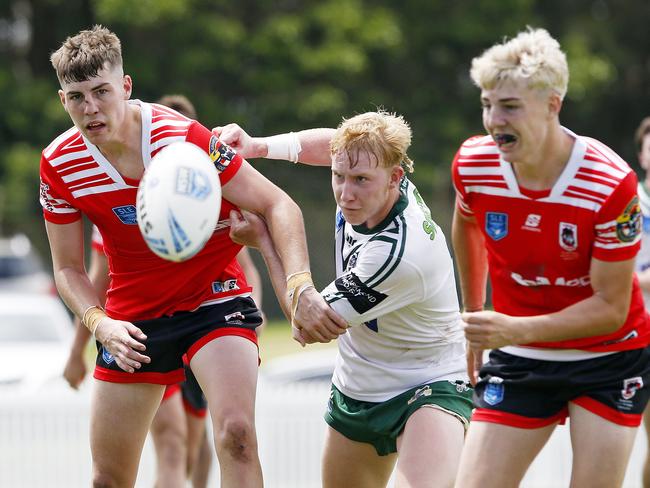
(533, 56)
(384, 135)
(82, 56)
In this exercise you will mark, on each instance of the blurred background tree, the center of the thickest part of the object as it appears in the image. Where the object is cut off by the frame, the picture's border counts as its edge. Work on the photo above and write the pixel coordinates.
(278, 65)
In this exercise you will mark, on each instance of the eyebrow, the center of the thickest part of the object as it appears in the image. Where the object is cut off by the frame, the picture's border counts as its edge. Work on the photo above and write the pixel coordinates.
(502, 100)
(75, 92)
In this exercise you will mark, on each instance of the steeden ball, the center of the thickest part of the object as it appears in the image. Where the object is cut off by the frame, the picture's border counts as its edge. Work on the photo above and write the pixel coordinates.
(178, 201)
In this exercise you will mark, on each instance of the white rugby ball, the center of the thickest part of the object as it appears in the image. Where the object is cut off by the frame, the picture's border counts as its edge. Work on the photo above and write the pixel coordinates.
(178, 201)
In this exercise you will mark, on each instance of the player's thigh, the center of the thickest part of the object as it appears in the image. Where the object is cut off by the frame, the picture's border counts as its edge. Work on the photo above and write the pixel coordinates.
(429, 449)
(351, 463)
(119, 421)
(496, 455)
(601, 449)
(226, 369)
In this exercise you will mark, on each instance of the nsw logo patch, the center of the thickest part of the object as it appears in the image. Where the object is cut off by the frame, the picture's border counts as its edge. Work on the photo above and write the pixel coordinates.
(126, 214)
(496, 225)
(494, 391)
(107, 357)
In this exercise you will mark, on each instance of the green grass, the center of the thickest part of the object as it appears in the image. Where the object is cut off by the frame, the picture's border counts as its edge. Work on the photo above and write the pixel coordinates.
(275, 340)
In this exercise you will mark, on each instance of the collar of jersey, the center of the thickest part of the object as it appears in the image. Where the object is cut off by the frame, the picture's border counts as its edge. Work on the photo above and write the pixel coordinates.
(397, 209)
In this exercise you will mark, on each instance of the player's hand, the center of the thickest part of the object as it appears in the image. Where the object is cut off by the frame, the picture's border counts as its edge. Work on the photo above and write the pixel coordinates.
(489, 330)
(121, 339)
(474, 363)
(237, 138)
(315, 319)
(74, 371)
(247, 229)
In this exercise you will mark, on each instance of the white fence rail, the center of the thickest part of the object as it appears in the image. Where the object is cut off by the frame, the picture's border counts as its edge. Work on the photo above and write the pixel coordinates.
(44, 442)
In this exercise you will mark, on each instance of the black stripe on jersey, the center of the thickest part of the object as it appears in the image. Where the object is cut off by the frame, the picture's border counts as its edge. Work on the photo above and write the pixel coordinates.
(360, 296)
(395, 254)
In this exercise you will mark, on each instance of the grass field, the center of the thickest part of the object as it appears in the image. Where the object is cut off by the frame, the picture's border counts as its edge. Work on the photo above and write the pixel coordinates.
(275, 340)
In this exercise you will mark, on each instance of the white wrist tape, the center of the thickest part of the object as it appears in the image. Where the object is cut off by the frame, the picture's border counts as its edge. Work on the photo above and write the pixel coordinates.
(283, 146)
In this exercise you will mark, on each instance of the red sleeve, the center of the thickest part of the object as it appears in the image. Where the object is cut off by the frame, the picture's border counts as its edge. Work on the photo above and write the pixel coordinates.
(619, 223)
(225, 159)
(56, 208)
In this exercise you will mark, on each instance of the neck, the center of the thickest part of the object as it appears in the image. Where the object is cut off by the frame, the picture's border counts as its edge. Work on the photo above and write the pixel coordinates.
(128, 137)
(542, 170)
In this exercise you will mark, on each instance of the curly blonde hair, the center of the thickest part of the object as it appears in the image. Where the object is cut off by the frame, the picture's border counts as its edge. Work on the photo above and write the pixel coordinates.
(381, 134)
(533, 56)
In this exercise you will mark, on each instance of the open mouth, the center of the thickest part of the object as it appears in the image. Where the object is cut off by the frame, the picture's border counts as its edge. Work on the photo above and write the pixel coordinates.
(502, 139)
(94, 125)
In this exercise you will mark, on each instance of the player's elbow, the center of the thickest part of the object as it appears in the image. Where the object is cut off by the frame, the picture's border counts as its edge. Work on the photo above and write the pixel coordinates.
(616, 316)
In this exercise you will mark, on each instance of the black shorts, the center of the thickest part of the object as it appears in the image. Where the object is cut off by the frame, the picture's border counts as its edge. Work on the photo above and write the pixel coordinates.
(193, 399)
(184, 333)
(531, 393)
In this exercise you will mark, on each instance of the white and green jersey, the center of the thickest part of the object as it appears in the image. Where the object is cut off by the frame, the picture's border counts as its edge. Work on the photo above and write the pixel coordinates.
(395, 286)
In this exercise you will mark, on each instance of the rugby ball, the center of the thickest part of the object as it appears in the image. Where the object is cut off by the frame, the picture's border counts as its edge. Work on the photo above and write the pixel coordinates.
(178, 201)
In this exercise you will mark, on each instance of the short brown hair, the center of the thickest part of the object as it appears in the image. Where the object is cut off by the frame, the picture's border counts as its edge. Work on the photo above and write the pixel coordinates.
(82, 56)
(641, 131)
(180, 103)
(383, 135)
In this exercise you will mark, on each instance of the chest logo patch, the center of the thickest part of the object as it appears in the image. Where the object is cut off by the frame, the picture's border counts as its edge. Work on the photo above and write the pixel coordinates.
(568, 236)
(126, 214)
(496, 225)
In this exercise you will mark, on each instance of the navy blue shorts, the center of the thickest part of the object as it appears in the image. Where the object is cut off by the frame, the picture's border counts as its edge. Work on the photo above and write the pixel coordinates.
(184, 333)
(531, 393)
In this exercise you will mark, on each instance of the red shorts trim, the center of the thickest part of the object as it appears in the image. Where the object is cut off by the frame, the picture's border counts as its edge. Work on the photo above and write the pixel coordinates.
(170, 391)
(195, 412)
(608, 413)
(215, 334)
(169, 378)
(514, 420)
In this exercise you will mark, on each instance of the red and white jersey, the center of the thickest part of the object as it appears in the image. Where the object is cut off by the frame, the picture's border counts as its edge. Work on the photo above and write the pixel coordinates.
(76, 178)
(540, 243)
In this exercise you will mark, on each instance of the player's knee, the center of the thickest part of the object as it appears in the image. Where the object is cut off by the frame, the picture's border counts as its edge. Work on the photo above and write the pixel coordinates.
(236, 439)
(104, 480)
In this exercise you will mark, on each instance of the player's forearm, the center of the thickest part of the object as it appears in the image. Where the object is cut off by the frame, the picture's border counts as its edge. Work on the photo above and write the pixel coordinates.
(471, 261)
(276, 274)
(81, 336)
(287, 230)
(315, 144)
(76, 290)
(309, 146)
(590, 317)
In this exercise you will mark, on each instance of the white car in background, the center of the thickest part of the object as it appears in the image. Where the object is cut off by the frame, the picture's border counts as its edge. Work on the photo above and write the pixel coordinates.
(35, 335)
(21, 270)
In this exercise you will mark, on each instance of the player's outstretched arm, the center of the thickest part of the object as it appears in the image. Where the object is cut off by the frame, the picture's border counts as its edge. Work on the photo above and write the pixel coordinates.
(250, 230)
(120, 338)
(310, 146)
(75, 369)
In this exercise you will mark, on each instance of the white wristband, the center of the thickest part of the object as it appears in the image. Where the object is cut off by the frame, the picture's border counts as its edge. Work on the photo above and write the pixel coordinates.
(283, 146)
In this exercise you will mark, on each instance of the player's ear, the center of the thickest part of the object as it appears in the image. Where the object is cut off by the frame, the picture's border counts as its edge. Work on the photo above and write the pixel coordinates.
(62, 98)
(555, 104)
(127, 86)
(396, 175)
